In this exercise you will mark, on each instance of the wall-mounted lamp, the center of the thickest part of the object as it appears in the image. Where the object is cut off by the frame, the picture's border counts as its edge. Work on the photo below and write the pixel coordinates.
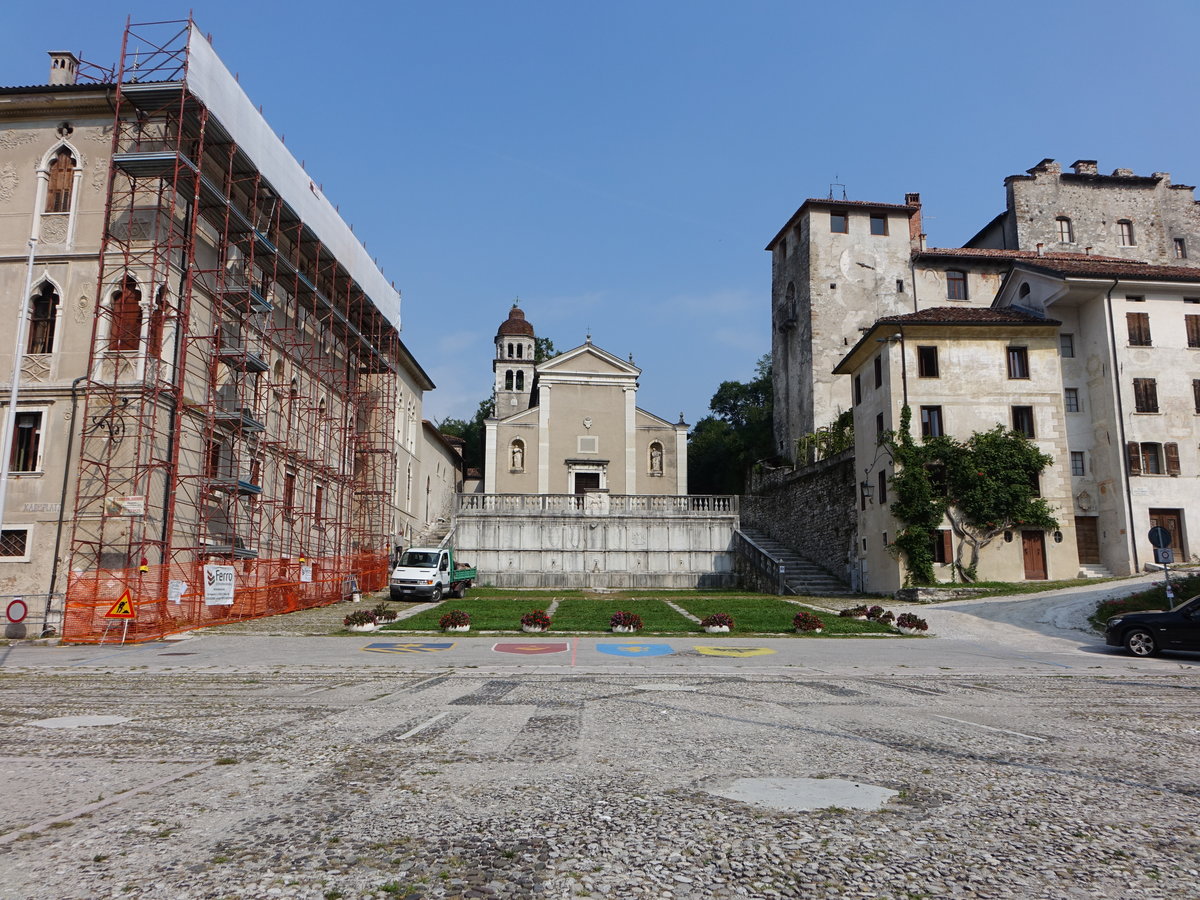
(868, 490)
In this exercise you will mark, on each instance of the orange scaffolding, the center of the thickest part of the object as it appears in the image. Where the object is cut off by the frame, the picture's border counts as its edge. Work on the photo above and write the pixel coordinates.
(239, 412)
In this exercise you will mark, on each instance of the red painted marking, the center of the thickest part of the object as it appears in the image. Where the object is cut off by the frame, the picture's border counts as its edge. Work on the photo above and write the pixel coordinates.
(531, 649)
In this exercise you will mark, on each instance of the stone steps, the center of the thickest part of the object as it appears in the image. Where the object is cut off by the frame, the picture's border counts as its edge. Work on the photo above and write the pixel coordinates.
(1092, 570)
(802, 575)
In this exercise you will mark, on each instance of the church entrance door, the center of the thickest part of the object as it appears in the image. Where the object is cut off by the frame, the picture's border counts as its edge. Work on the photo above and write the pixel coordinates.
(586, 482)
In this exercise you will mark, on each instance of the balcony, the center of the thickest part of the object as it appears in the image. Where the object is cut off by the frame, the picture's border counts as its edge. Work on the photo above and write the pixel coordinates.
(598, 504)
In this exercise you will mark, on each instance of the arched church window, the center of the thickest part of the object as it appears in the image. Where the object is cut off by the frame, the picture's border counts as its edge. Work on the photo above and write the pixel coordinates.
(520, 351)
(126, 307)
(42, 317)
(510, 351)
(62, 177)
(508, 380)
(520, 381)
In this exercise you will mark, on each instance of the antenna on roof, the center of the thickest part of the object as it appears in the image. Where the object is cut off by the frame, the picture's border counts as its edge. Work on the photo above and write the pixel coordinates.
(837, 185)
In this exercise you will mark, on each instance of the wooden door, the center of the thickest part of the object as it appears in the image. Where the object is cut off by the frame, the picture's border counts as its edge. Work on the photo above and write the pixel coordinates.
(586, 482)
(1087, 538)
(1033, 547)
(1172, 520)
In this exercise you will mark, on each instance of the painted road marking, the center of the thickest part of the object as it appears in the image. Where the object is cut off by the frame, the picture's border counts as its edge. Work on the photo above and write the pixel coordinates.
(408, 648)
(990, 728)
(636, 649)
(737, 652)
(531, 649)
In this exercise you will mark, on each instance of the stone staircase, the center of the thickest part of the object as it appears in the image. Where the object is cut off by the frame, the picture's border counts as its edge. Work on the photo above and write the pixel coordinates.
(802, 576)
(1092, 570)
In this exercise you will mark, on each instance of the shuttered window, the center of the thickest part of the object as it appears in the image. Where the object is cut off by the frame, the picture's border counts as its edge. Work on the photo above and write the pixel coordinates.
(1139, 329)
(1145, 395)
(1171, 451)
(1133, 457)
(1196, 393)
(126, 330)
(1192, 324)
(943, 549)
(62, 176)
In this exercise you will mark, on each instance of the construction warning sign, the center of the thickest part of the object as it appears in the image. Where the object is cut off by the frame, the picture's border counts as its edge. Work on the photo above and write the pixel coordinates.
(122, 609)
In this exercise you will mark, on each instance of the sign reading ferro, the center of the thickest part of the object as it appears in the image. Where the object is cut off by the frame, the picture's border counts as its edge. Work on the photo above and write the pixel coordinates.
(219, 582)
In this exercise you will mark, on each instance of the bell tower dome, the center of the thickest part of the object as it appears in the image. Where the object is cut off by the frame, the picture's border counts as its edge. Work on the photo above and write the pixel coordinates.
(513, 365)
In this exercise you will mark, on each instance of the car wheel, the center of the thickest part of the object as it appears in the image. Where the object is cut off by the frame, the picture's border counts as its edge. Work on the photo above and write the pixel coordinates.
(1140, 642)
(436, 595)
(396, 595)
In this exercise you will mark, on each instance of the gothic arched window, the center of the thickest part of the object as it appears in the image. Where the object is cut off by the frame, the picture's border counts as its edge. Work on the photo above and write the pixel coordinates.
(508, 380)
(42, 316)
(62, 177)
(520, 381)
(126, 308)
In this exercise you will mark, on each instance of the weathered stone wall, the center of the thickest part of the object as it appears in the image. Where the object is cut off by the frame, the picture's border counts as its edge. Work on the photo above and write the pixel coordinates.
(599, 552)
(810, 510)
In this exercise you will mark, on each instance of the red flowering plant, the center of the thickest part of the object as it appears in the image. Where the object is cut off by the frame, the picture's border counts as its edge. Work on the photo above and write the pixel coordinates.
(717, 620)
(853, 612)
(874, 613)
(625, 620)
(535, 619)
(909, 620)
(456, 618)
(806, 621)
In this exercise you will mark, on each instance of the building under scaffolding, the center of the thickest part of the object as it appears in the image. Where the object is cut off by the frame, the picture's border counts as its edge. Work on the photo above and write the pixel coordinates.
(236, 421)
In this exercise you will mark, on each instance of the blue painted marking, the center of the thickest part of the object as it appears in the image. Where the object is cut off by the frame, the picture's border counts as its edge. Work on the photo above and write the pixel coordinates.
(636, 649)
(413, 647)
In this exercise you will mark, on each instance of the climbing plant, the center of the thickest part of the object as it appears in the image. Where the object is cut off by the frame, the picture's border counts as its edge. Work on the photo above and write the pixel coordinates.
(985, 485)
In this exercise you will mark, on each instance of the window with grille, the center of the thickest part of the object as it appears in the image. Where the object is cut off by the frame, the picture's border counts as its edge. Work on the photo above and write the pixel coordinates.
(1018, 362)
(1066, 346)
(1022, 420)
(1139, 329)
(62, 177)
(956, 285)
(42, 316)
(1077, 463)
(927, 362)
(14, 542)
(1192, 325)
(931, 421)
(25, 455)
(1071, 399)
(1145, 395)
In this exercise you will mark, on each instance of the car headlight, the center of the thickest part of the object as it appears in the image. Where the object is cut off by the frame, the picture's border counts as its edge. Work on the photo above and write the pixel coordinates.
(1113, 623)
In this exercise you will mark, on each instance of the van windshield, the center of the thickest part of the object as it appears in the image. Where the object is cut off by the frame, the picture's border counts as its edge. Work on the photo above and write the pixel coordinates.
(418, 559)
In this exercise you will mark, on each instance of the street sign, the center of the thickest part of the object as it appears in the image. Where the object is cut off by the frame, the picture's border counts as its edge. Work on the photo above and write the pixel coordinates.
(1164, 555)
(1159, 537)
(122, 609)
(17, 610)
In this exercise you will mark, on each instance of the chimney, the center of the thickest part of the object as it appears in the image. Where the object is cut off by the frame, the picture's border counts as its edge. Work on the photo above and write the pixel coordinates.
(1122, 173)
(914, 221)
(64, 67)
(1085, 167)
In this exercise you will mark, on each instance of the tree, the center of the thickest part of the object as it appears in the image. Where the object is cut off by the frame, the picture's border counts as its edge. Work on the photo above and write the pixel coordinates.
(722, 447)
(985, 486)
(472, 432)
(543, 349)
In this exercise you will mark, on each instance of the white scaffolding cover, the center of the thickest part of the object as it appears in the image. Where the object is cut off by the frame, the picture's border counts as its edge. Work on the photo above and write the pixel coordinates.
(209, 80)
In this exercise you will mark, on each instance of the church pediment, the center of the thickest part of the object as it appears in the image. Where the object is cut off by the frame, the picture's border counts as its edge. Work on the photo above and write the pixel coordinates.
(587, 360)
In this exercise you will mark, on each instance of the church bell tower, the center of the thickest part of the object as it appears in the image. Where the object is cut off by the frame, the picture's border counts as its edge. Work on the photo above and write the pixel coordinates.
(513, 364)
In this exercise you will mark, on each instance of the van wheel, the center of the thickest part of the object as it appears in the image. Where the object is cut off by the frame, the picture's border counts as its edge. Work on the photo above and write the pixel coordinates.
(457, 590)
(437, 593)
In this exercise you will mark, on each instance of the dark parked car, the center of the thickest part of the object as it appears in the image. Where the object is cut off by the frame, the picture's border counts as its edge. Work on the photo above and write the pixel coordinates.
(1146, 633)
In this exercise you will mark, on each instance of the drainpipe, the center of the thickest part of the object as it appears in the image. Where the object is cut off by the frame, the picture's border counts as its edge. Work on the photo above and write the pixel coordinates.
(18, 358)
(1112, 334)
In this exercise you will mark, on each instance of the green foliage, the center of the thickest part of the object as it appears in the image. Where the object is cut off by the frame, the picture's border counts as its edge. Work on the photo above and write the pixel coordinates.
(828, 440)
(471, 432)
(985, 485)
(722, 447)
(543, 349)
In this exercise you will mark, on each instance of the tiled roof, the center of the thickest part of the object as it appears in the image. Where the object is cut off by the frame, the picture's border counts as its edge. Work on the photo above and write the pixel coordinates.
(1102, 267)
(516, 324)
(990, 253)
(966, 315)
(863, 204)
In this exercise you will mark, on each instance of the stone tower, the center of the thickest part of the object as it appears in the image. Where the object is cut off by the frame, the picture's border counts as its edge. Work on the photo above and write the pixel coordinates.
(513, 365)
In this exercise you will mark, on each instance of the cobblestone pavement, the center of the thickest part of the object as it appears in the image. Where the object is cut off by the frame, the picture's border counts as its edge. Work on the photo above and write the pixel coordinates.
(349, 782)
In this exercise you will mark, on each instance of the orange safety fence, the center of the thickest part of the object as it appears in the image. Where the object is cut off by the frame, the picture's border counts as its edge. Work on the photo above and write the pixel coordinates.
(167, 599)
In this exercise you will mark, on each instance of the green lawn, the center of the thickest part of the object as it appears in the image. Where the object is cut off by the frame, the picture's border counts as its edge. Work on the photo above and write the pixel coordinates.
(486, 614)
(769, 615)
(589, 614)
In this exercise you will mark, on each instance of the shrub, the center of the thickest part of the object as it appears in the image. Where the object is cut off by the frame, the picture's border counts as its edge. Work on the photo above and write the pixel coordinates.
(625, 620)
(888, 618)
(717, 620)
(360, 617)
(535, 619)
(384, 613)
(909, 620)
(806, 621)
(853, 612)
(456, 618)
(875, 612)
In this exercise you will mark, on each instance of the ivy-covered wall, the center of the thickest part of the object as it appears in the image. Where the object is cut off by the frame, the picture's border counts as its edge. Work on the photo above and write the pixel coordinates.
(810, 510)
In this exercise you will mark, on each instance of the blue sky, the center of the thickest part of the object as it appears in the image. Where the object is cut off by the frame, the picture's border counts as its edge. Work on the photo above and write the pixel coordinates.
(619, 166)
